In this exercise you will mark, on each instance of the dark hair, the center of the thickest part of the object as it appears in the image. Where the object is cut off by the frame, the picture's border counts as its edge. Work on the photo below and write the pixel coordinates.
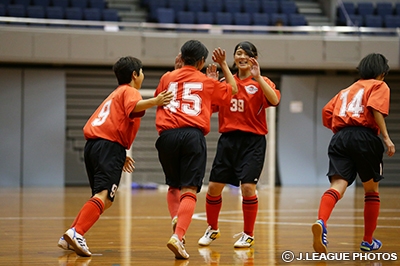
(249, 48)
(373, 65)
(125, 67)
(192, 52)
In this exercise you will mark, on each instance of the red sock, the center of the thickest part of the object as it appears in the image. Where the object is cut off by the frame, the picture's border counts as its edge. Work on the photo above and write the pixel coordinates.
(328, 202)
(88, 215)
(371, 212)
(185, 213)
(173, 200)
(213, 207)
(250, 209)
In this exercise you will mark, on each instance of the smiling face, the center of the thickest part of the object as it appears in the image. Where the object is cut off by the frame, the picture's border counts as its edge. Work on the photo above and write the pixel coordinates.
(241, 59)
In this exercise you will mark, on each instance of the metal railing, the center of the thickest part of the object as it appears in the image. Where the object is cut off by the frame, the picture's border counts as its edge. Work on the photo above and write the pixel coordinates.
(198, 28)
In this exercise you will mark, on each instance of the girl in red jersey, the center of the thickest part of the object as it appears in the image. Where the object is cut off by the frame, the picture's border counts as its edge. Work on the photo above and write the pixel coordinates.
(109, 132)
(182, 125)
(356, 117)
(242, 145)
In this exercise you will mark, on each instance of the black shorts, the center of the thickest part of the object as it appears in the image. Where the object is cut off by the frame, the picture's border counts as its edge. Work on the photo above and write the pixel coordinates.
(239, 158)
(356, 150)
(104, 161)
(183, 155)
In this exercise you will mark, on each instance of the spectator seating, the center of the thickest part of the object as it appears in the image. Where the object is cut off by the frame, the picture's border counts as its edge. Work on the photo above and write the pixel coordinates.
(205, 17)
(269, 7)
(252, 7)
(43, 3)
(288, 7)
(214, 6)
(384, 8)
(279, 18)
(233, 6)
(196, 6)
(365, 8)
(177, 5)
(165, 15)
(110, 14)
(61, 3)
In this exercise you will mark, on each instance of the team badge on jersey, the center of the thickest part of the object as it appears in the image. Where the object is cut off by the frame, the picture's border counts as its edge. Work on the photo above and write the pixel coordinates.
(251, 89)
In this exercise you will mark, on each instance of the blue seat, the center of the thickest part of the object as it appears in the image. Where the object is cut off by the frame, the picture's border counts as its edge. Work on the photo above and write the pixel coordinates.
(196, 6)
(365, 8)
(384, 8)
(355, 20)
(35, 12)
(165, 15)
(214, 6)
(16, 11)
(92, 14)
(251, 6)
(185, 17)
(241, 19)
(177, 5)
(79, 3)
(153, 5)
(74, 13)
(391, 21)
(22, 2)
(278, 17)
(261, 19)
(55, 12)
(373, 21)
(288, 7)
(110, 14)
(61, 3)
(205, 17)
(233, 6)
(5, 3)
(223, 18)
(397, 9)
(297, 20)
(43, 3)
(348, 8)
(2, 12)
(269, 7)
(100, 4)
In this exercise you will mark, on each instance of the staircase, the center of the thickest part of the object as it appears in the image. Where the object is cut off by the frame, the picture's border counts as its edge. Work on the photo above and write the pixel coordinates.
(313, 12)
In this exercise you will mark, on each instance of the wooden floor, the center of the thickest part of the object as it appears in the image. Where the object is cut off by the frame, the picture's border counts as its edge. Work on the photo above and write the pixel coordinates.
(137, 227)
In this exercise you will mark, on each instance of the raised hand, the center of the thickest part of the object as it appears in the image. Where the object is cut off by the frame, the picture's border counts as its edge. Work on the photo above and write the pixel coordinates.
(212, 72)
(254, 67)
(164, 98)
(178, 61)
(219, 55)
(129, 165)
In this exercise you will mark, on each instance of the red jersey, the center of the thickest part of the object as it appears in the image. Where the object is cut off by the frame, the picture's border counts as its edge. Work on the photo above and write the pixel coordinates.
(112, 120)
(194, 93)
(353, 106)
(247, 109)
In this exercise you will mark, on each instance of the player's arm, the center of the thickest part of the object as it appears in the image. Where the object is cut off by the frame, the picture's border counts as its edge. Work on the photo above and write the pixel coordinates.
(380, 120)
(161, 99)
(219, 56)
(268, 91)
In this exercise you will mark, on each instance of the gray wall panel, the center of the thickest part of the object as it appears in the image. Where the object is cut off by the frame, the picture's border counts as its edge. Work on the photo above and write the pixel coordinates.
(10, 129)
(44, 128)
